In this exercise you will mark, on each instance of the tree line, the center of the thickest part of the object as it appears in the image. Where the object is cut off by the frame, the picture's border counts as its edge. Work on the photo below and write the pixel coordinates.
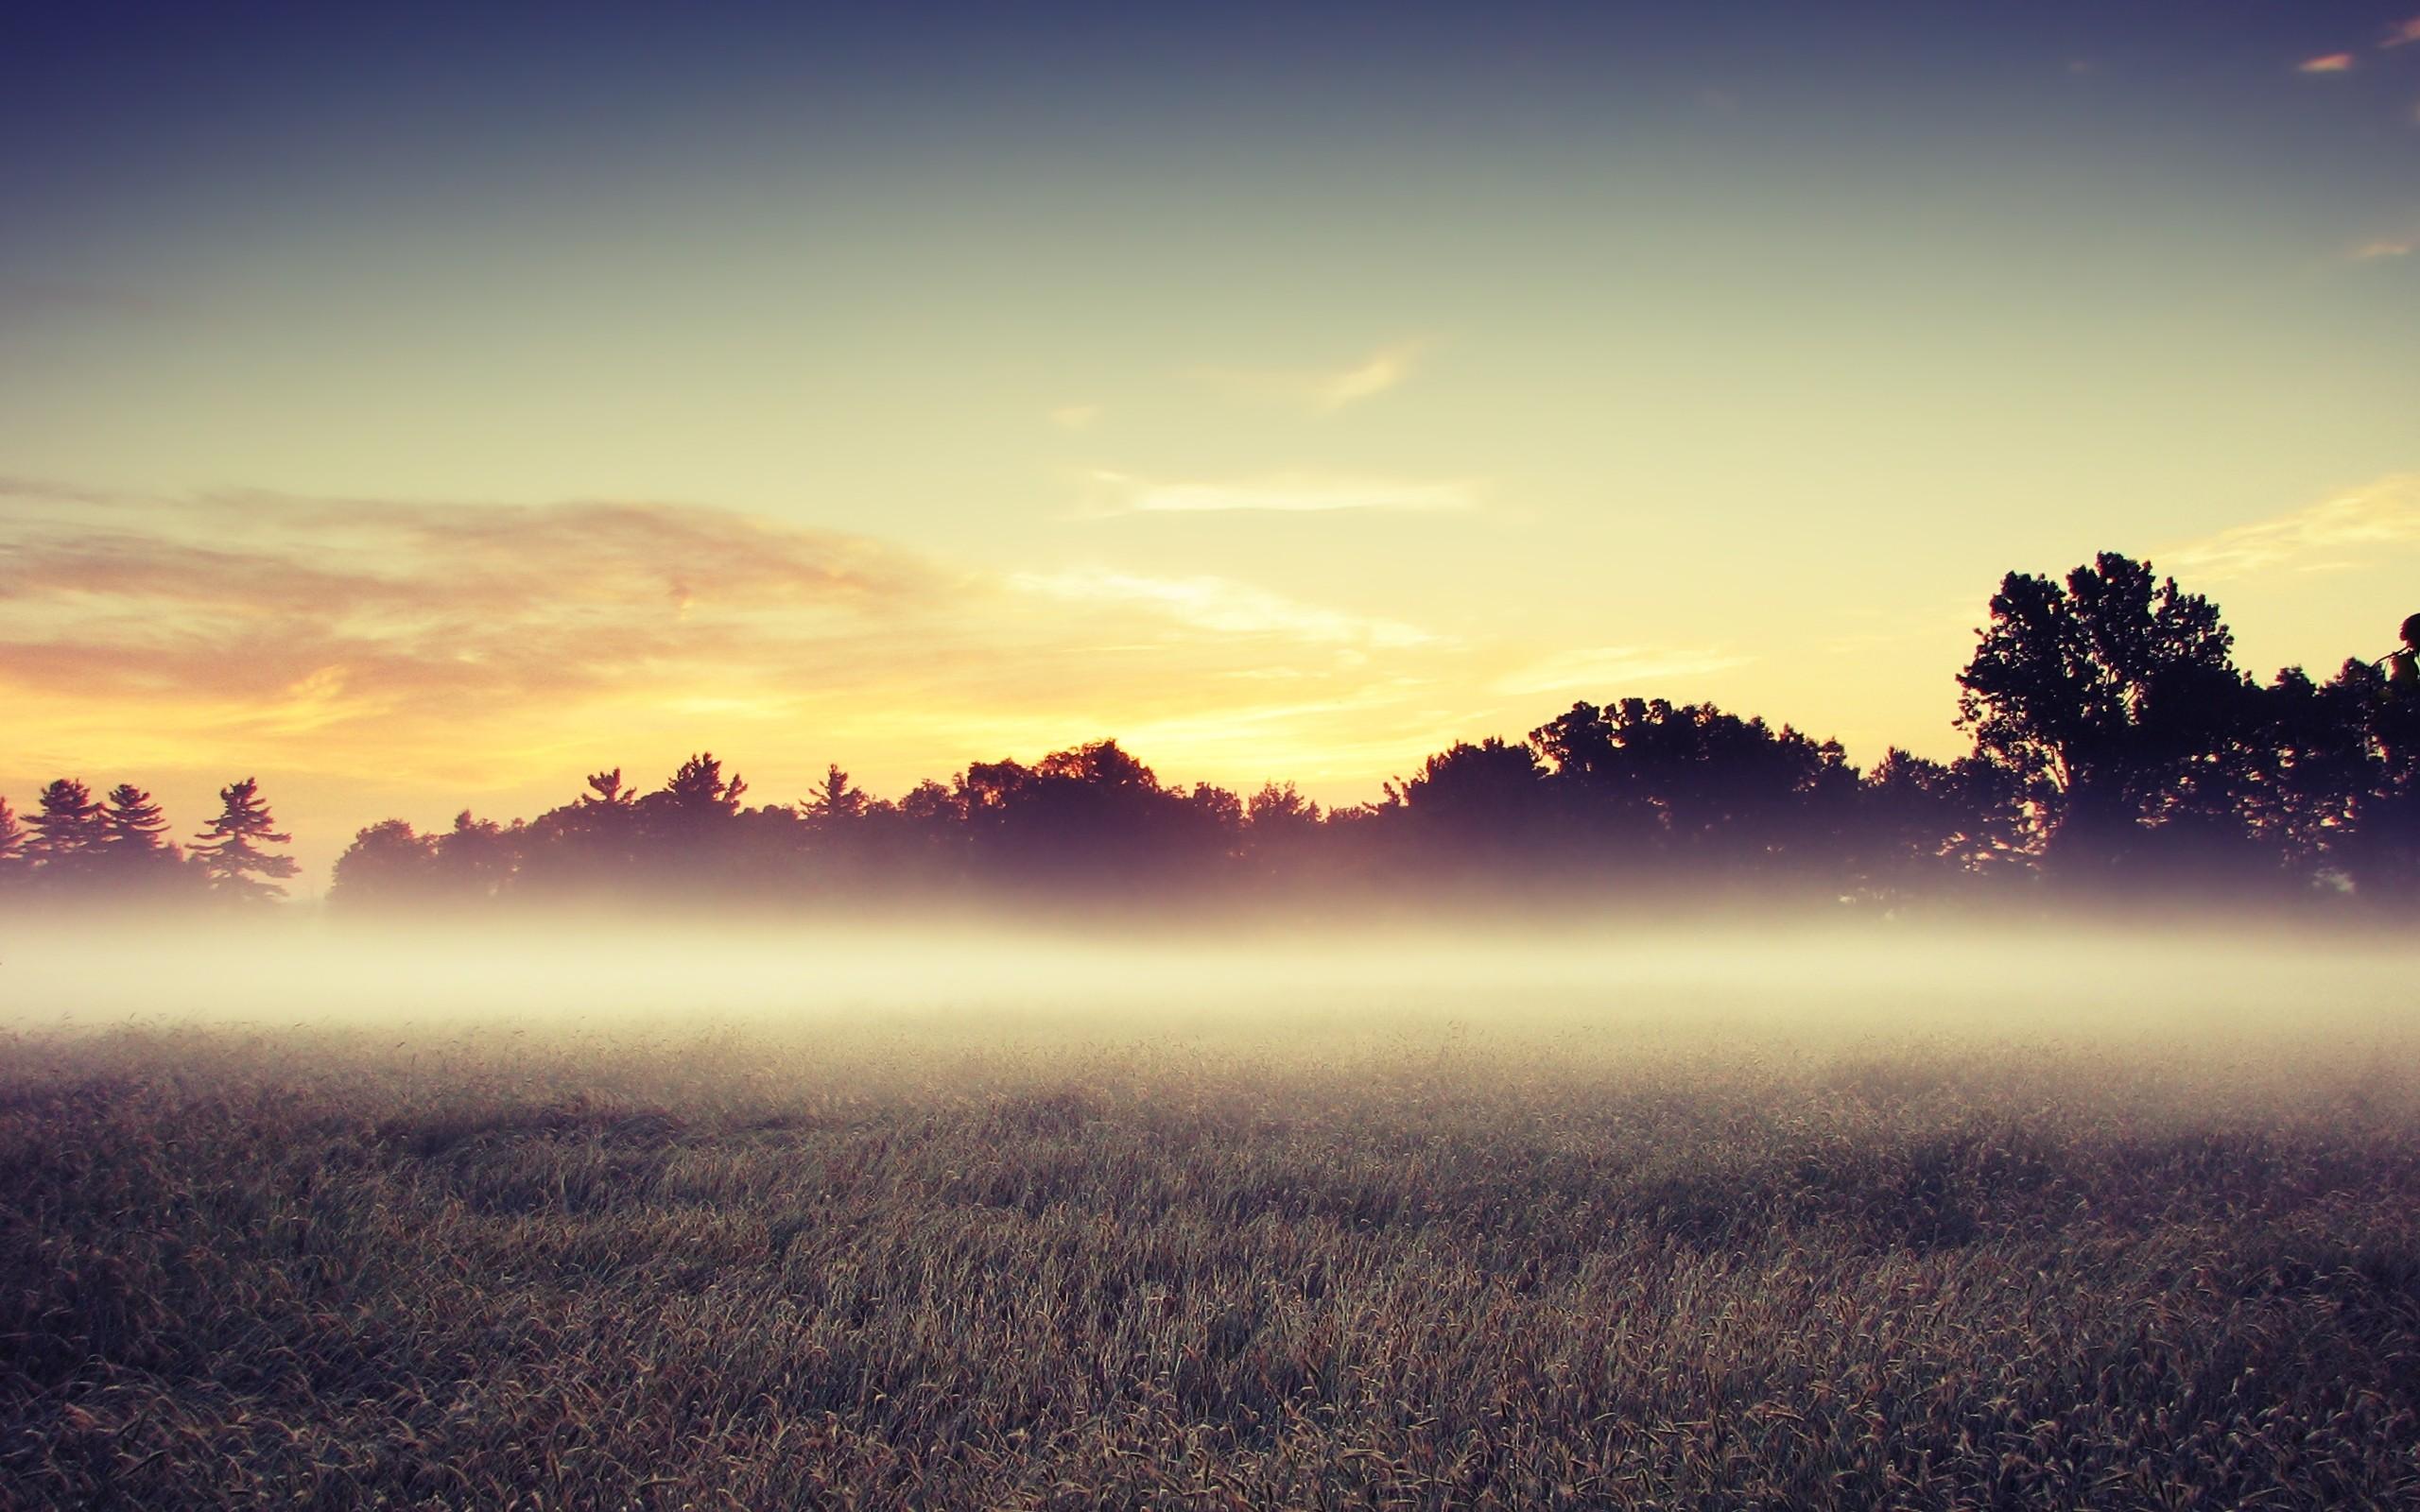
(74, 845)
(2117, 749)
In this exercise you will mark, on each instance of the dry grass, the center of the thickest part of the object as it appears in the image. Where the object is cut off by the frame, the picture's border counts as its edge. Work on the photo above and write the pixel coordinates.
(752, 1273)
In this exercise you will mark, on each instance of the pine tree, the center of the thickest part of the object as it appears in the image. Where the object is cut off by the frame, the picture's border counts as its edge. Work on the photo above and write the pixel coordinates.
(236, 866)
(833, 800)
(699, 790)
(137, 826)
(605, 791)
(135, 845)
(68, 831)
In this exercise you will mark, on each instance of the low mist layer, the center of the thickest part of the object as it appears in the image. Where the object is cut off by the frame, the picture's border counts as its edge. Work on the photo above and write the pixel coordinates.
(1791, 980)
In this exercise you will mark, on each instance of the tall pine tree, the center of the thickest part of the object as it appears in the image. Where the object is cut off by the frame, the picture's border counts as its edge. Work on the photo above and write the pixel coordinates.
(230, 851)
(68, 830)
(135, 851)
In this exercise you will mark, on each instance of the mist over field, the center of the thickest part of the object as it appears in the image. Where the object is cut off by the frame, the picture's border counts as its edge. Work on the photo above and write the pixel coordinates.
(2160, 989)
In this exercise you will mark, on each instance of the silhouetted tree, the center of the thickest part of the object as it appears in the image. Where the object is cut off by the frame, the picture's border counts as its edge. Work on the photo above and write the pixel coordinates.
(1480, 803)
(835, 800)
(230, 851)
(1726, 789)
(475, 860)
(68, 830)
(135, 852)
(2376, 843)
(2114, 702)
(1922, 825)
(589, 845)
(687, 829)
(699, 790)
(1089, 815)
(135, 823)
(389, 863)
(1281, 832)
(605, 791)
(12, 845)
(1649, 781)
(1277, 809)
(2310, 760)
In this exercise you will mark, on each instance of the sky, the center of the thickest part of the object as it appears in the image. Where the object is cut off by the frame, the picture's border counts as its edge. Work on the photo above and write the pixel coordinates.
(422, 407)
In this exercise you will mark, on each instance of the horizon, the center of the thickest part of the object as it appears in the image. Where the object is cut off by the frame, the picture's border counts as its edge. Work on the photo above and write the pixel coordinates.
(316, 851)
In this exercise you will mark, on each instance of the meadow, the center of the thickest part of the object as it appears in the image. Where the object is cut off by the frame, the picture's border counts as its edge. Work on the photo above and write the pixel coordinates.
(1428, 1251)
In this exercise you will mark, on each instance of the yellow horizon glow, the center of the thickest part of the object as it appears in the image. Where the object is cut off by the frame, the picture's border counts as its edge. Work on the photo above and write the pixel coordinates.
(379, 660)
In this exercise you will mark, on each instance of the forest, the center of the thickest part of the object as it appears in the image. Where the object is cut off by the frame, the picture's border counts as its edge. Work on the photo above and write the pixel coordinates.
(2118, 750)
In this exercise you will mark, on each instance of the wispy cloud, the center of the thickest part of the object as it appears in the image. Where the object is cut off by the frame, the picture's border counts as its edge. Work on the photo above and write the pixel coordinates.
(2384, 515)
(260, 603)
(1289, 493)
(1612, 670)
(2401, 34)
(1077, 417)
(1223, 605)
(1322, 390)
(2370, 251)
(458, 647)
(2325, 63)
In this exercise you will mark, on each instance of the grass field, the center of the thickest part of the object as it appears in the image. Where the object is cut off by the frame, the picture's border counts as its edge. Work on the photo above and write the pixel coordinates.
(906, 1264)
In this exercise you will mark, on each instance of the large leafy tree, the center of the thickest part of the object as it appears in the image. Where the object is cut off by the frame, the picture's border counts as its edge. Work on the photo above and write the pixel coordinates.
(1689, 781)
(1492, 792)
(389, 863)
(588, 846)
(476, 860)
(1920, 822)
(230, 851)
(2364, 729)
(2114, 701)
(1092, 813)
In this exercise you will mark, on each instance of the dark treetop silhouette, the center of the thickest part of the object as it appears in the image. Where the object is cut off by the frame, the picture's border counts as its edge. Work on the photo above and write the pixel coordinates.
(2118, 751)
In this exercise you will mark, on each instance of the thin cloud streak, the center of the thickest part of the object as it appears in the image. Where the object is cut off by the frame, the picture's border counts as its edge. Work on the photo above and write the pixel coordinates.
(1290, 493)
(2402, 34)
(2325, 63)
(1387, 366)
(2385, 514)
(1223, 605)
(1324, 390)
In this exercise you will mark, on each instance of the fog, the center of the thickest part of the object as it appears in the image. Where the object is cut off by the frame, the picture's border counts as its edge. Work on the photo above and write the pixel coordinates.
(2239, 992)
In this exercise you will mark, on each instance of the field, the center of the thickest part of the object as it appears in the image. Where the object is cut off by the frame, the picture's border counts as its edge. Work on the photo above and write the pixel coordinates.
(1372, 1259)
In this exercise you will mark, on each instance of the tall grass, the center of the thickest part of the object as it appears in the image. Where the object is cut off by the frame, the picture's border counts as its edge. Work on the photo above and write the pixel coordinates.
(752, 1272)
